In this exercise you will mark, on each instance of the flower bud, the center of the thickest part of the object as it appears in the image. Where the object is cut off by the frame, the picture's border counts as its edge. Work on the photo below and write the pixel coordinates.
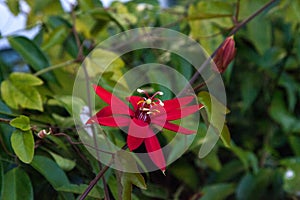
(43, 133)
(224, 55)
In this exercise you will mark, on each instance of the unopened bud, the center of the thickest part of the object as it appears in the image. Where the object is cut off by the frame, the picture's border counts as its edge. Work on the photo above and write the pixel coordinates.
(43, 133)
(224, 55)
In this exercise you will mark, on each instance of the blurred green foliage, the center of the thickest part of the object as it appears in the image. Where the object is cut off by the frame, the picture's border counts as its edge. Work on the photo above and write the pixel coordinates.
(259, 159)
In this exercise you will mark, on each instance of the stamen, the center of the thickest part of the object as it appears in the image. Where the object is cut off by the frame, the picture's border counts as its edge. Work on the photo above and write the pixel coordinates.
(157, 93)
(161, 103)
(140, 91)
(139, 102)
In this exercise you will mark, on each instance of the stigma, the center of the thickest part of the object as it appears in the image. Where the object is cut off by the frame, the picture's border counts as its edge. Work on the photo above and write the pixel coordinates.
(145, 105)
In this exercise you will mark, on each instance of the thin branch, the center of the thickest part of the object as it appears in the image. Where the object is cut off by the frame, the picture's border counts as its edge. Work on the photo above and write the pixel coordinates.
(5, 120)
(53, 67)
(97, 178)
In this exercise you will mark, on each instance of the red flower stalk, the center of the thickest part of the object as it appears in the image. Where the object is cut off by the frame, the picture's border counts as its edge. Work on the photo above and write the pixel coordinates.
(145, 111)
(224, 55)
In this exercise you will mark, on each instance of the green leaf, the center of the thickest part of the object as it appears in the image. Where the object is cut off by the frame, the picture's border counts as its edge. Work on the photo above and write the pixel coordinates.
(207, 19)
(291, 176)
(211, 9)
(129, 179)
(53, 174)
(259, 31)
(72, 104)
(87, 5)
(250, 88)
(96, 192)
(57, 36)
(217, 116)
(18, 90)
(255, 186)
(225, 136)
(280, 114)
(213, 161)
(17, 185)
(64, 163)
(1, 179)
(5, 128)
(246, 157)
(23, 145)
(22, 122)
(100, 61)
(41, 10)
(185, 173)
(51, 171)
(14, 6)
(295, 144)
(217, 191)
(32, 55)
(22, 79)
(155, 192)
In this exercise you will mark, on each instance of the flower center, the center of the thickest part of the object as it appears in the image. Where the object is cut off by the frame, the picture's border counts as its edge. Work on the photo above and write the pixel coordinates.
(145, 106)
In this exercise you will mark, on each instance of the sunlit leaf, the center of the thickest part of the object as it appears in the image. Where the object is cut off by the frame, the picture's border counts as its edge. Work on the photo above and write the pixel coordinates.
(18, 91)
(57, 36)
(206, 20)
(100, 61)
(215, 116)
(14, 6)
(23, 145)
(22, 122)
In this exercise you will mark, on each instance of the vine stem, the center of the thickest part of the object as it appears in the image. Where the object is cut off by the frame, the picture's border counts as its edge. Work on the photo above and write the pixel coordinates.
(50, 68)
(232, 32)
(98, 177)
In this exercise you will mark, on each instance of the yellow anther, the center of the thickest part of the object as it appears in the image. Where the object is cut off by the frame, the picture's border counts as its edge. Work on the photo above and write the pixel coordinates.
(141, 101)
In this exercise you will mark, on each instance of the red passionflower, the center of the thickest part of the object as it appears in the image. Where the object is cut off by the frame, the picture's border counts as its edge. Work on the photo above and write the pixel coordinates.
(145, 113)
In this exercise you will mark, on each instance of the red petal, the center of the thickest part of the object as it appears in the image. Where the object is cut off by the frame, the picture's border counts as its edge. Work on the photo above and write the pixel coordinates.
(134, 142)
(139, 129)
(134, 101)
(118, 105)
(173, 127)
(181, 113)
(155, 153)
(110, 121)
(177, 103)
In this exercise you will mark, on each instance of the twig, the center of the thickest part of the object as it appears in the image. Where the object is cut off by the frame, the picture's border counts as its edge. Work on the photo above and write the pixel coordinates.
(53, 67)
(5, 120)
(98, 177)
